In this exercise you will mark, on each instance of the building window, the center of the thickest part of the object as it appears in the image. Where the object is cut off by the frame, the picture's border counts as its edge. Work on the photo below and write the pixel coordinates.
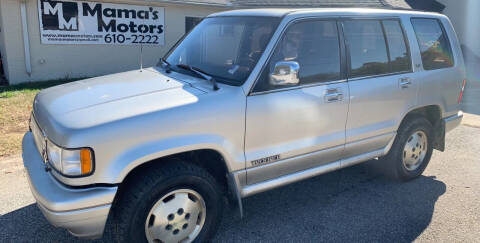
(191, 22)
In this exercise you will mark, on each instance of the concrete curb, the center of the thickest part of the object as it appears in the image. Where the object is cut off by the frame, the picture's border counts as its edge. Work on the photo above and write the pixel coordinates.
(471, 120)
(11, 164)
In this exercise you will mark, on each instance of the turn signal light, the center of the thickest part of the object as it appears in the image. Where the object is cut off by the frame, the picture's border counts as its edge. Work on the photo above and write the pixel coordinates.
(86, 161)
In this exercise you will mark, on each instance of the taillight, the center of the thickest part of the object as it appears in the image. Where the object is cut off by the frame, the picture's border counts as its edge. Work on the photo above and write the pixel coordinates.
(460, 97)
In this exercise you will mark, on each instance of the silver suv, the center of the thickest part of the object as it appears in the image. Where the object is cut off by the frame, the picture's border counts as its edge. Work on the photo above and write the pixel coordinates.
(249, 101)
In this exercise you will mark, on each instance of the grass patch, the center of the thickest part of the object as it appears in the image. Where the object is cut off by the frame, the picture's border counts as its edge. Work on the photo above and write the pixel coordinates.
(11, 91)
(15, 108)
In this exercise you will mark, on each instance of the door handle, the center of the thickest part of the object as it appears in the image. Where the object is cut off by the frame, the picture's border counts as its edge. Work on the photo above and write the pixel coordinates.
(333, 95)
(405, 82)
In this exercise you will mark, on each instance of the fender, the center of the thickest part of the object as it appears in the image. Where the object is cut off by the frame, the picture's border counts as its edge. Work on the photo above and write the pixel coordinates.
(138, 155)
(438, 126)
(404, 114)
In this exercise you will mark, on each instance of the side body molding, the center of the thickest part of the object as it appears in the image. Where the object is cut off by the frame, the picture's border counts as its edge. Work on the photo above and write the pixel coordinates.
(245, 190)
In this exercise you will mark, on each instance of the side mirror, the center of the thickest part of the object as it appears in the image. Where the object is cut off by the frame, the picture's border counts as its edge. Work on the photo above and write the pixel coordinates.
(285, 73)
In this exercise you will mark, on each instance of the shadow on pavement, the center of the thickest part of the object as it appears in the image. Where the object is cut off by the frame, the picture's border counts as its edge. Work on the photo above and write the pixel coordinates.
(27, 224)
(348, 205)
(344, 206)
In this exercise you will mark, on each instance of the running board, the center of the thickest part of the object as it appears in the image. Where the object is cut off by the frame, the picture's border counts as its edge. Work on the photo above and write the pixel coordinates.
(249, 190)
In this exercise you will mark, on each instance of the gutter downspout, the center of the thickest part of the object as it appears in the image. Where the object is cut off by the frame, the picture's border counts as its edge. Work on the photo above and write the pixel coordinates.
(26, 41)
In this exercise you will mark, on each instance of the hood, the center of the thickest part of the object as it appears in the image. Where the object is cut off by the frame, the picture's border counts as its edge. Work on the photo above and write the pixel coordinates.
(86, 93)
(98, 100)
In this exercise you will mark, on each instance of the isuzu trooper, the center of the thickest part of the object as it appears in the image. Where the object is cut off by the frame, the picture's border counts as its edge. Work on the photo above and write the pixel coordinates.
(249, 101)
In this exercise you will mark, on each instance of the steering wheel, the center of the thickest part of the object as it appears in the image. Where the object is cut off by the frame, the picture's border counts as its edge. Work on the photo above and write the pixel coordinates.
(254, 55)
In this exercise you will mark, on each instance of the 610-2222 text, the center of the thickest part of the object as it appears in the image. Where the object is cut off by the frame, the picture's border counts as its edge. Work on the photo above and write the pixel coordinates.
(133, 39)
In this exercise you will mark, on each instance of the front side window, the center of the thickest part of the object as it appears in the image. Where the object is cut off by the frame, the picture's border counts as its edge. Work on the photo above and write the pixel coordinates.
(226, 48)
(368, 51)
(433, 42)
(314, 46)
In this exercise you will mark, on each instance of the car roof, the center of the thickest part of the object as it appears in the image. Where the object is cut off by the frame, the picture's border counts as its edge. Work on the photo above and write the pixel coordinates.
(280, 12)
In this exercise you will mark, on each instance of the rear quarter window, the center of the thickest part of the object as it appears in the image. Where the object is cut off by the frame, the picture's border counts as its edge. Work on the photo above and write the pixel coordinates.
(434, 45)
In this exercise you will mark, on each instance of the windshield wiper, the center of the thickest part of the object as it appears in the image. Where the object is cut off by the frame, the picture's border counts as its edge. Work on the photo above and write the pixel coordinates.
(200, 73)
(166, 65)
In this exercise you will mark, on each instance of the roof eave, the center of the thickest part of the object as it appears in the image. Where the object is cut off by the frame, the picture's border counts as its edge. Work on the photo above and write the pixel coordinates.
(194, 3)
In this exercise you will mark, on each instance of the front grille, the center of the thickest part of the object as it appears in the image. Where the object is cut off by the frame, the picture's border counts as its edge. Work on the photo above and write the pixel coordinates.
(38, 136)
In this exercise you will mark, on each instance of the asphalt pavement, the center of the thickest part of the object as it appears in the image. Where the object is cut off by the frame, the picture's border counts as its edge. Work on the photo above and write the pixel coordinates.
(353, 204)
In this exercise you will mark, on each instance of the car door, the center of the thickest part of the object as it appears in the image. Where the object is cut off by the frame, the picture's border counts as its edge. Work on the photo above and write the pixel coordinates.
(293, 127)
(381, 82)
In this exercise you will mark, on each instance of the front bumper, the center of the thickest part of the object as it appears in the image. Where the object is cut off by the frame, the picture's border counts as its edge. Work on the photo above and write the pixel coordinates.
(452, 122)
(83, 212)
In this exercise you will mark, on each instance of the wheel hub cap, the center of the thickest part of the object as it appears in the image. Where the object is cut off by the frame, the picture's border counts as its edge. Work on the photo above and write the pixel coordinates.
(177, 217)
(415, 150)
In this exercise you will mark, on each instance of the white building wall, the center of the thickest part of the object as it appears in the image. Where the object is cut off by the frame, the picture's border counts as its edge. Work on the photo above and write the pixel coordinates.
(465, 18)
(74, 61)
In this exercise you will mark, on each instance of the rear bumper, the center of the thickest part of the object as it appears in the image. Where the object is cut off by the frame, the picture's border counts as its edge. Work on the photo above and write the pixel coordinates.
(83, 212)
(452, 122)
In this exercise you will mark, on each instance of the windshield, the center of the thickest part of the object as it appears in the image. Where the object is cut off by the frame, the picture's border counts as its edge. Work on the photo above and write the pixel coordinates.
(226, 48)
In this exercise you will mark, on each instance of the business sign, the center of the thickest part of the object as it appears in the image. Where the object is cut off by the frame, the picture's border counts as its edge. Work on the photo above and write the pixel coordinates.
(78, 22)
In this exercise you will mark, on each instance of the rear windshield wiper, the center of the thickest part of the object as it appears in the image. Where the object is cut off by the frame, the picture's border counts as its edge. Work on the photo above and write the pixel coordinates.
(200, 73)
(164, 63)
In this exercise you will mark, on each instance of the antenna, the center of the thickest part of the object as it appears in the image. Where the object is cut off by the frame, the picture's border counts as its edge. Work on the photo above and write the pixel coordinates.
(141, 57)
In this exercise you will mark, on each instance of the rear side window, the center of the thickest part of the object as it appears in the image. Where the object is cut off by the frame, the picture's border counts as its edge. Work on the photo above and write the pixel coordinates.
(367, 46)
(397, 47)
(433, 42)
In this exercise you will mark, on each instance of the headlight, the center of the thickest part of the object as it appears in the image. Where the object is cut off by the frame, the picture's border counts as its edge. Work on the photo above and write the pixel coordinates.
(70, 162)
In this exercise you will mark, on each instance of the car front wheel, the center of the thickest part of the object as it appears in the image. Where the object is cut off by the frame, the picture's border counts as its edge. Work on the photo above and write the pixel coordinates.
(175, 202)
(178, 216)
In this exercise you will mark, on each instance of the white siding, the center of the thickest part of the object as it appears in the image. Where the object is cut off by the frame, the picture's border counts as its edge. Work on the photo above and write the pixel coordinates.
(465, 19)
(73, 61)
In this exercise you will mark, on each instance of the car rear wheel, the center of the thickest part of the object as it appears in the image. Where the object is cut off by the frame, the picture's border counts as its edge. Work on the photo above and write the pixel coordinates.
(176, 202)
(415, 150)
(411, 150)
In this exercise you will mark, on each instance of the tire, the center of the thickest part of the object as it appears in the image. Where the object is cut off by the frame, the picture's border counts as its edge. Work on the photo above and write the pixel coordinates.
(172, 182)
(399, 164)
